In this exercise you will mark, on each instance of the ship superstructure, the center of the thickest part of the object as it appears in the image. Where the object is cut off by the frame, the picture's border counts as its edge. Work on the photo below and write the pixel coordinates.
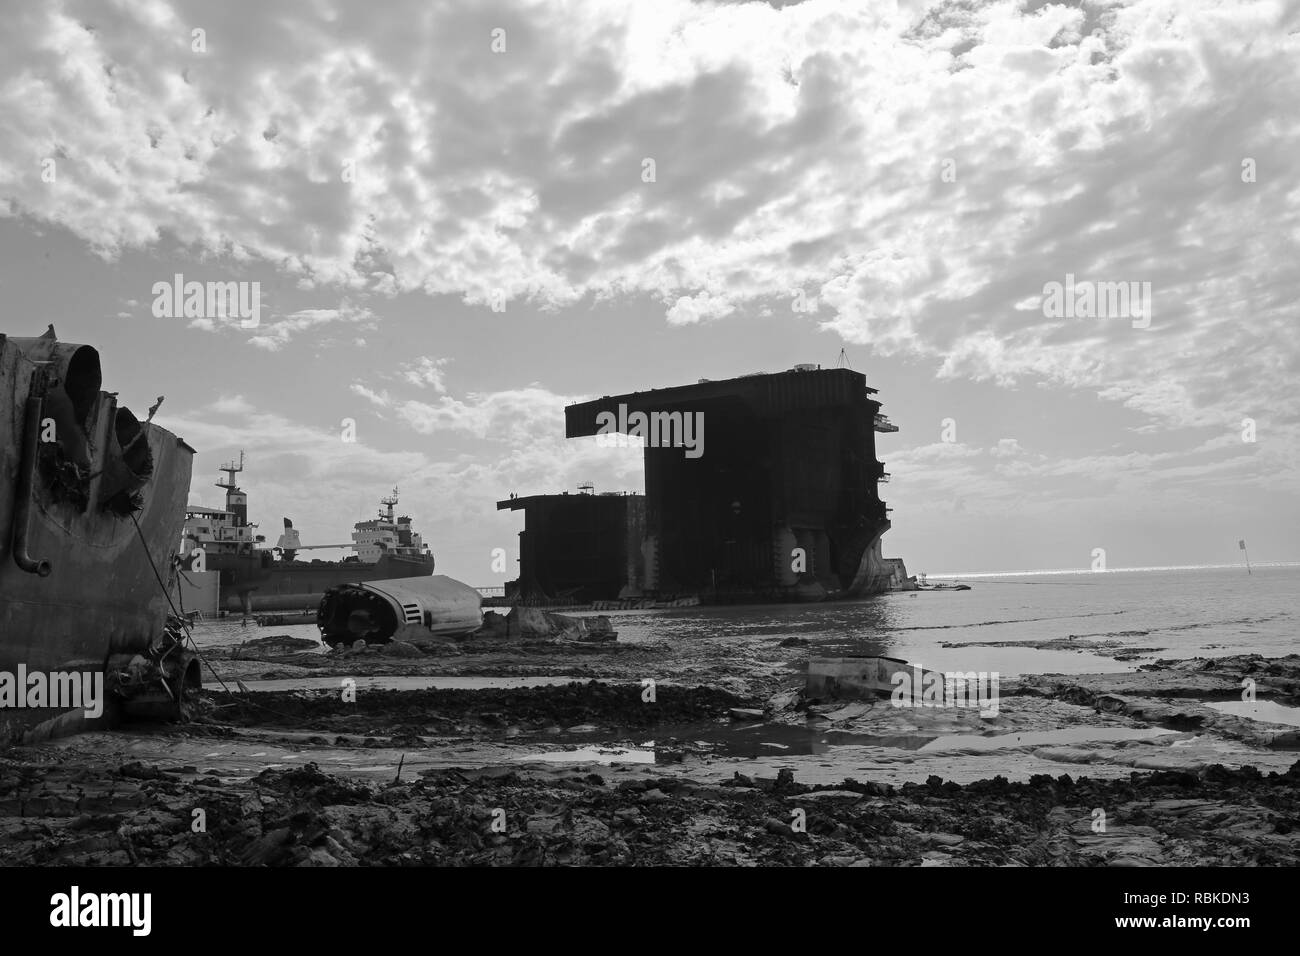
(255, 577)
(222, 531)
(386, 534)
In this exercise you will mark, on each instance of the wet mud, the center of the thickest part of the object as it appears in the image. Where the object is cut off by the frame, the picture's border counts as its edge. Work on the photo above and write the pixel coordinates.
(139, 814)
(1156, 766)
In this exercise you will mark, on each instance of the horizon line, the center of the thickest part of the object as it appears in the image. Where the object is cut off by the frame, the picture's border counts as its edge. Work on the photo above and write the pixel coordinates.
(1170, 567)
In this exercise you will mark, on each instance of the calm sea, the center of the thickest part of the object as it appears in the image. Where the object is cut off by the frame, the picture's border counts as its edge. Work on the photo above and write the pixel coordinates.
(992, 627)
(1002, 623)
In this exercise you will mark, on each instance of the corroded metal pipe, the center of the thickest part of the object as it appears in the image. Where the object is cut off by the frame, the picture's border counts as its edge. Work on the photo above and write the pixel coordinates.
(27, 478)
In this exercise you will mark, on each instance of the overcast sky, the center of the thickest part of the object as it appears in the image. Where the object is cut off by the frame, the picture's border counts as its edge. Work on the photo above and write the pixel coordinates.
(389, 172)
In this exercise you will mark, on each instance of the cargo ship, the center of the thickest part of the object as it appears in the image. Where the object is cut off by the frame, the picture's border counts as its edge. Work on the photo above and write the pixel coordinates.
(228, 568)
(91, 503)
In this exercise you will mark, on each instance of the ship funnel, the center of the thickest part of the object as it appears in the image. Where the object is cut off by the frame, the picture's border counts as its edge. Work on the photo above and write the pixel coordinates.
(289, 541)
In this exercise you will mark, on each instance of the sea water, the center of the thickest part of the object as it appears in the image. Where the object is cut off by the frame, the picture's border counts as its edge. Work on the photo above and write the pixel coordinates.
(1028, 623)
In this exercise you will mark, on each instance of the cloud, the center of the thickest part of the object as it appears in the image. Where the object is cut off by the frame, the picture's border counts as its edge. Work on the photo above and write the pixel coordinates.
(1008, 477)
(520, 415)
(375, 398)
(699, 308)
(232, 405)
(923, 168)
(512, 444)
(277, 335)
(425, 372)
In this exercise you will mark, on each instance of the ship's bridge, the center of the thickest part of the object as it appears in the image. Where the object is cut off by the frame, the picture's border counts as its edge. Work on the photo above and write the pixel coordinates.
(213, 529)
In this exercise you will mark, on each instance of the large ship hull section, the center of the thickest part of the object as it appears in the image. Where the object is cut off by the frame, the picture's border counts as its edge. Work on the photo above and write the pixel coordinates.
(68, 496)
(776, 499)
(247, 584)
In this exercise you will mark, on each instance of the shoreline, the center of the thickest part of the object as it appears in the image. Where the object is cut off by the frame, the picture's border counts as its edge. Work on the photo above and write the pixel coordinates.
(718, 768)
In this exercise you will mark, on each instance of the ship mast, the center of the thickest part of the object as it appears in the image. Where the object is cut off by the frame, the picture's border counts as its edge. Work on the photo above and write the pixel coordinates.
(390, 501)
(231, 469)
(236, 500)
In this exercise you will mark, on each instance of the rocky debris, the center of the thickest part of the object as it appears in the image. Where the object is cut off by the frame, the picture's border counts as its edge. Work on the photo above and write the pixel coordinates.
(384, 712)
(395, 648)
(355, 649)
(1219, 678)
(410, 641)
(1172, 694)
(277, 648)
(492, 629)
(1110, 646)
(106, 814)
(424, 639)
(537, 624)
(749, 669)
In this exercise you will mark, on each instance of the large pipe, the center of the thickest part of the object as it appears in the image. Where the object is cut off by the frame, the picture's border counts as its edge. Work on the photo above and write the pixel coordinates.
(27, 478)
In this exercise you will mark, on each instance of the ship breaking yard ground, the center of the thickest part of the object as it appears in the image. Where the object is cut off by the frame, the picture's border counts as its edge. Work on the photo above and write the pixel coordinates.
(555, 752)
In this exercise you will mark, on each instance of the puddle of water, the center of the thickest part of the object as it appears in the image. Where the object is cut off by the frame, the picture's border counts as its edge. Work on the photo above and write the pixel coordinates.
(765, 740)
(601, 755)
(1042, 738)
(243, 759)
(749, 742)
(1264, 710)
(758, 740)
(411, 683)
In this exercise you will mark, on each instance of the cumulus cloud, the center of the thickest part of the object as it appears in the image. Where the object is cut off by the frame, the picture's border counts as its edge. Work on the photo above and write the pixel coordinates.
(454, 493)
(425, 372)
(928, 166)
(921, 169)
(232, 405)
(519, 415)
(699, 308)
(277, 334)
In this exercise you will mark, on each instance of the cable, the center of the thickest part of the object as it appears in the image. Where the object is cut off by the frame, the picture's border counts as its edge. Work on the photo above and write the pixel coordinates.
(185, 626)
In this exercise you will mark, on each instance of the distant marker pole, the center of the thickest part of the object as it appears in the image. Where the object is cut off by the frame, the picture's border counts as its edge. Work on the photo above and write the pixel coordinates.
(1241, 543)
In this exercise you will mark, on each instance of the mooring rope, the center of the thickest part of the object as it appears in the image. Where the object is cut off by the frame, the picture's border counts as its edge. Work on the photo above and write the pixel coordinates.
(185, 627)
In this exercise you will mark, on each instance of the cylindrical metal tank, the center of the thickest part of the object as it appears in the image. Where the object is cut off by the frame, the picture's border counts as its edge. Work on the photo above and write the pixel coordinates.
(376, 610)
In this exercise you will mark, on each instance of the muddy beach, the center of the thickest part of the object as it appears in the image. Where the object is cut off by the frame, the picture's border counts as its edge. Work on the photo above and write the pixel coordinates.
(551, 752)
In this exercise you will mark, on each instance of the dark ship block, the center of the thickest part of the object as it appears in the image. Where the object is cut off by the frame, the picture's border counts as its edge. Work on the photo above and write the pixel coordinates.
(79, 584)
(579, 548)
(759, 487)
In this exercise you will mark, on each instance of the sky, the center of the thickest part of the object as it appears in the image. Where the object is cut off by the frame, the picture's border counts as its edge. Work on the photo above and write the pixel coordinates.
(462, 216)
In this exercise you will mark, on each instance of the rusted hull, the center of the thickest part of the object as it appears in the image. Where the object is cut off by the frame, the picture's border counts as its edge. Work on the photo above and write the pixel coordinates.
(249, 585)
(70, 501)
(781, 502)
